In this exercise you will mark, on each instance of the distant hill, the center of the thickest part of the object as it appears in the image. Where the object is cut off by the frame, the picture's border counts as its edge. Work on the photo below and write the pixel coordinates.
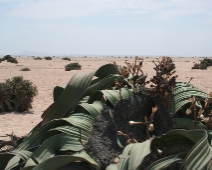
(32, 53)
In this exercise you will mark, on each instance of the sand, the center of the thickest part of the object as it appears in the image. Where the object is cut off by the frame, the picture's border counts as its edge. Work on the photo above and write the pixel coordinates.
(46, 74)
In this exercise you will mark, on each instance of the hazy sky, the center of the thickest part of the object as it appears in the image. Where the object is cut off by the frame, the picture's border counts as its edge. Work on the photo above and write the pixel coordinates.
(107, 27)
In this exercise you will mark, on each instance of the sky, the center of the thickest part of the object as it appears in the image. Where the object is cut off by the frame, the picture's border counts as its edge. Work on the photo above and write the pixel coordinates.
(106, 27)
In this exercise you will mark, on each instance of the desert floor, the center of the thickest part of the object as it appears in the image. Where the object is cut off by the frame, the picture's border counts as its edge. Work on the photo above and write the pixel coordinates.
(46, 74)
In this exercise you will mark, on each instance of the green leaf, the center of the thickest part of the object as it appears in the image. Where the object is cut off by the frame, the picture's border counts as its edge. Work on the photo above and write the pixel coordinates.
(58, 161)
(93, 109)
(209, 136)
(112, 167)
(70, 130)
(6, 157)
(197, 158)
(133, 155)
(182, 123)
(51, 146)
(57, 92)
(182, 92)
(114, 95)
(78, 120)
(106, 70)
(84, 99)
(14, 162)
(78, 87)
(200, 155)
(166, 162)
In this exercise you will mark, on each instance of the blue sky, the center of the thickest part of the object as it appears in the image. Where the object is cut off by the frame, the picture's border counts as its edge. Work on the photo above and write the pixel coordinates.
(107, 27)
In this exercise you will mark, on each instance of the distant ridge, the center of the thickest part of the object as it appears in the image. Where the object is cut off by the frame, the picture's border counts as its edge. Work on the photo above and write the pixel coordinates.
(32, 53)
(40, 54)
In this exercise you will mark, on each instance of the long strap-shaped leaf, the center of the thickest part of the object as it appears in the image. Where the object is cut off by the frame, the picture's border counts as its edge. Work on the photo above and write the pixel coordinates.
(70, 130)
(57, 92)
(114, 96)
(50, 147)
(93, 109)
(13, 163)
(182, 92)
(200, 155)
(193, 135)
(6, 157)
(76, 89)
(182, 123)
(112, 167)
(57, 162)
(209, 136)
(166, 162)
(133, 155)
(79, 120)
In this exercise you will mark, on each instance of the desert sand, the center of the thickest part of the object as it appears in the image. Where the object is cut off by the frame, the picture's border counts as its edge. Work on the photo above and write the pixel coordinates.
(46, 74)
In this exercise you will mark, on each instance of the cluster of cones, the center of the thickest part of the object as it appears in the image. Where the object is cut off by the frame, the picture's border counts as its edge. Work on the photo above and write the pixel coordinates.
(205, 114)
(162, 83)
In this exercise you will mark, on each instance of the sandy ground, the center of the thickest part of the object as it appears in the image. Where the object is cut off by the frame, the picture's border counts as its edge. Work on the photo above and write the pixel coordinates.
(46, 74)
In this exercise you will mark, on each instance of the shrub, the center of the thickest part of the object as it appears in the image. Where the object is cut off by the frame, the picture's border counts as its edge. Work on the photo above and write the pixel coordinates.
(37, 58)
(10, 59)
(48, 58)
(6, 57)
(66, 58)
(196, 66)
(16, 94)
(72, 66)
(208, 61)
(25, 69)
(204, 64)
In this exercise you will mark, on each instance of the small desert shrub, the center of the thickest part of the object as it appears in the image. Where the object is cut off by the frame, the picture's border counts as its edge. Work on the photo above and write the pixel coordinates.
(48, 58)
(25, 69)
(196, 66)
(199, 66)
(66, 58)
(6, 57)
(72, 66)
(10, 59)
(16, 94)
(37, 58)
(204, 64)
(207, 62)
(203, 67)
